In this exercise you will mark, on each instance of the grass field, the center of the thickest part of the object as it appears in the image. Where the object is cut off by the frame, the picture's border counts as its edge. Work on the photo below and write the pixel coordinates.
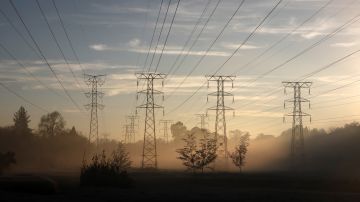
(180, 186)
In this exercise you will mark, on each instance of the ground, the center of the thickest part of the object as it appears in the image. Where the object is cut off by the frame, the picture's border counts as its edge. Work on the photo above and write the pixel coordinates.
(181, 186)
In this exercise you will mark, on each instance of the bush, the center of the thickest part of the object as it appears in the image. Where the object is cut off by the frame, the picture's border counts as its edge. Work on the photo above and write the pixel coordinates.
(103, 171)
(6, 160)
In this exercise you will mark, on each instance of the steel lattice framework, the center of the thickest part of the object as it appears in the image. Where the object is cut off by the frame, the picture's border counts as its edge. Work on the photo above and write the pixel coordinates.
(129, 128)
(165, 128)
(149, 156)
(297, 151)
(220, 108)
(203, 121)
(94, 81)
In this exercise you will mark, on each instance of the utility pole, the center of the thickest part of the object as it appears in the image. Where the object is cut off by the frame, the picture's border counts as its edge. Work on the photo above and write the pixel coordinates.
(297, 151)
(165, 128)
(149, 156)
(130, 130)
(94, 81)
(220, 108)
(203, 121)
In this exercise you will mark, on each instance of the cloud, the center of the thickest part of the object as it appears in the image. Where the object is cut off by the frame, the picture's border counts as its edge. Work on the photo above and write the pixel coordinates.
(235, 46)
(99, 47)
(344, 44)
(134, 43)
(169, 50)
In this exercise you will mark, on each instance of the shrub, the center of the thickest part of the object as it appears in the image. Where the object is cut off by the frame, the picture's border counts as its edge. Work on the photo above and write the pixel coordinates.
(103, 171)
(6, 160)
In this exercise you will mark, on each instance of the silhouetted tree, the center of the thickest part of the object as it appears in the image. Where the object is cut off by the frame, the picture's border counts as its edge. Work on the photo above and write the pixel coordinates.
(73, 131)
(188, 153)
(196, 157)
(239, 155)
(207, 152)
(178, 131)
(21, 121)
(51, 124)
(103, 171)
(6, 160)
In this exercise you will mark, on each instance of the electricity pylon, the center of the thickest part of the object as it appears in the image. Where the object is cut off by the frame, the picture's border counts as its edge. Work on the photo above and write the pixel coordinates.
(127, 135)
(220, 108)
(130, 130)
(165, 128)
(203, 121)
(94, 81)
(149, 156)
(297, 151)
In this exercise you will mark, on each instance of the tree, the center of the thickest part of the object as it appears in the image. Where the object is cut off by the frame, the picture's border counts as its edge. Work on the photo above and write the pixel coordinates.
(188, 153)
(73, 131)
(196, 157)
(239, 155)
(21, 121)
(207, 152)
(178, 131)
(51, 124)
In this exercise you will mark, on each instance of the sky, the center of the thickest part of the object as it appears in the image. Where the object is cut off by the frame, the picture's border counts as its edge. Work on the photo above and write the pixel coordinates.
(315, 39)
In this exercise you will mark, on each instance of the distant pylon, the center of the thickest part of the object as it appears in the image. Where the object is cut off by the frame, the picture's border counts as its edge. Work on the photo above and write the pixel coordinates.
(94, 81)
(165, 128)
(127, 136)
(149, 156)
(297, 151)
(203, 122)
(220, 108)
(130, 131)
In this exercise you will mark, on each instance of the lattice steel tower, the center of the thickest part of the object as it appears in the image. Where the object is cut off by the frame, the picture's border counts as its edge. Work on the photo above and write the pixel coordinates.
(220, 108)
(297, 151)
(130, 131)
(165, 128)
(149, 156)
(203, 121)
(94, 81)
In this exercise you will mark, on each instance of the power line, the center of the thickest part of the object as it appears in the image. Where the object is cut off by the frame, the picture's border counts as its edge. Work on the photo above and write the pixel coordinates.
(167, 36)
(68, 37)
(195, 40)
(58, 44)
(152, 37)
(188, 98)
(249, 36)
(209, 48)
(328, 36)
(27, 70)
(158, 40)
(22, 97)
(43, 56)
(284, 37)
(190, 36)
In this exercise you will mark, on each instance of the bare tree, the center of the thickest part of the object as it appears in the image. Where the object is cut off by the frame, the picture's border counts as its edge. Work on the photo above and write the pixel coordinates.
(239, 155)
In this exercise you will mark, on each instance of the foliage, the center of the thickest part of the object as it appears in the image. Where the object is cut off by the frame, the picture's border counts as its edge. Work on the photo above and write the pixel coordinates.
(103, 171)
(51, 124)
(21, 121)
(196, 157)
(6, 160)
(239, 155)
(207, 152)
(178, 131)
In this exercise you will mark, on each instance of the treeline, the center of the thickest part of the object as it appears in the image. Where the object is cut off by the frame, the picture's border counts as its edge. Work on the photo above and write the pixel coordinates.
(55, 147)
(51, 147)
